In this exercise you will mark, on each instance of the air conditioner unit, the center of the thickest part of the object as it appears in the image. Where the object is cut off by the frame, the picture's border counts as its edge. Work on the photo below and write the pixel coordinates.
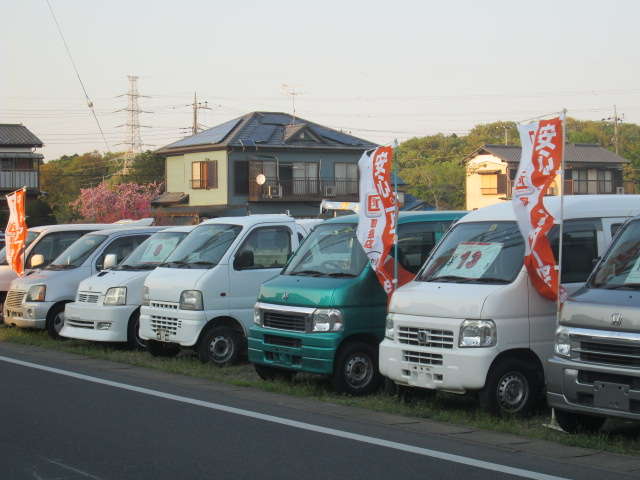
(330, 191)
(619, 190)
(274, 191)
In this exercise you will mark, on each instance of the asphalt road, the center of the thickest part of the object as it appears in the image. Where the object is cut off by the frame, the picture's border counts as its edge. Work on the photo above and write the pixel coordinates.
(65, 418)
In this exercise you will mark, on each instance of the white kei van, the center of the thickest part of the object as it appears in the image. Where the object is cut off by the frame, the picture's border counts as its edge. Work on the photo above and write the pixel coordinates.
(43, 245)
(38, 299)
(203, 296)
(107, 304)
(480, 326)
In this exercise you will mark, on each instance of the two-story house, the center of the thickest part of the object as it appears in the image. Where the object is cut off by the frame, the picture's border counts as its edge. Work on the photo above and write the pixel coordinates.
(19, 163)
(262, 162)
(590, 169)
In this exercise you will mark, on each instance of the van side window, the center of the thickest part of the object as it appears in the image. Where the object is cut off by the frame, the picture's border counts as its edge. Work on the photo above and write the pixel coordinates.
(579, 248)
(415, 242)
(122, 247)
(265, 247)
(54, 244)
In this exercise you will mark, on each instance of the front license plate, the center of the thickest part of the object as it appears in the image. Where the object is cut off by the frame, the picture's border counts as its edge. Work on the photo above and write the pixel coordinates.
(614, 396)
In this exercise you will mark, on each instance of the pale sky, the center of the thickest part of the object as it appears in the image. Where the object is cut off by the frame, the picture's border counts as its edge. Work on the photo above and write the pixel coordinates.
(381, 70)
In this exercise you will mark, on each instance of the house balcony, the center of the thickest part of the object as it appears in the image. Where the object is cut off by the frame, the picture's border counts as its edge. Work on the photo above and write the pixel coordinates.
(15, 179)
(304, 189)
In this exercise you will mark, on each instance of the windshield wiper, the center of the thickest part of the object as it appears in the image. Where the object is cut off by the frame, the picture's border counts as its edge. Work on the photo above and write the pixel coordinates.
(341, 275)
(489, 280)
(178, 263)
(201, 263)
(623, 286)
(60, 267)
(451, 278)
(313, 273)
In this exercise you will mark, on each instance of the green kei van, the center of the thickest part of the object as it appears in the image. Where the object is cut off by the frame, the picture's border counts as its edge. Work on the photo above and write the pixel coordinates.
(325, 313)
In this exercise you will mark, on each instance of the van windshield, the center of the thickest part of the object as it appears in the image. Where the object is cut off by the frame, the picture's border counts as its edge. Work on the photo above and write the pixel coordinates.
(77, 253)
(478, 252)
(204, 246)
(31, 236)
(152, 252)
(332, 250)
(620, 268)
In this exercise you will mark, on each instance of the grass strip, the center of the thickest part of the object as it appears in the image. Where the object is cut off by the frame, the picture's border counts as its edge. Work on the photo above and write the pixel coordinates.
(618, 436)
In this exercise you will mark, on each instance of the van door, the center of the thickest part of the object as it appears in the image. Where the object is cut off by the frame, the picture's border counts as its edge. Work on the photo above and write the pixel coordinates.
(261, 256)
(581, 243)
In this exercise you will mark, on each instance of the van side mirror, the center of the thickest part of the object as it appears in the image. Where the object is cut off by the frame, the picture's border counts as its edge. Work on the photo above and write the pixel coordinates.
(110, 261)
(36, 260)
(244, 260)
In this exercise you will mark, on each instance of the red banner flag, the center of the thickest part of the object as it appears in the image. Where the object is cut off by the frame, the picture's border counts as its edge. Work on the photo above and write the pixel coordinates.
(541, 161)
(16, 232)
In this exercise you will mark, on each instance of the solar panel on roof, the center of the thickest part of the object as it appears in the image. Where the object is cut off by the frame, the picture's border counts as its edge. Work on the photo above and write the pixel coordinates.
(213, 135)
(263, 133)
(336, 136)
(275, 119)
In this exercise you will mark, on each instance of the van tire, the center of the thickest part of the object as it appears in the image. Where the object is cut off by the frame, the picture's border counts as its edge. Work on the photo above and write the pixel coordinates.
(513, 387)
(273, 373)
(134, 342)
(356, 369)
(162, 349)
(55, 321)
(572, 422)
(221, 346)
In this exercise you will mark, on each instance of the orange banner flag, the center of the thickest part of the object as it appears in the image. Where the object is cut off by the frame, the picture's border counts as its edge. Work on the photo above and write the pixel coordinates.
(16, 232)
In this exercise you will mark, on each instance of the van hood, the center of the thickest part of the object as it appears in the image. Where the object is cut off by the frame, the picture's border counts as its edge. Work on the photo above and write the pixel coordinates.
(166, 284)
(443, 300)
(103, 281)
(324, 292)
(594, 307)
(38, 277)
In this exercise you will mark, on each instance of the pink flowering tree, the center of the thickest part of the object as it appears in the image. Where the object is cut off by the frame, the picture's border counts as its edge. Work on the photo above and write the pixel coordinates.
(106, 203)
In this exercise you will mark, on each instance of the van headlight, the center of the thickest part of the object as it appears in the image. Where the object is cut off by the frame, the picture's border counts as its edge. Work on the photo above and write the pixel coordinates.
(477, 333)
(562, 347)
(36, 293)
(146, 299)
(257, 317)
(326, 320)
(191, 300)
(388, 329)
(116, 296)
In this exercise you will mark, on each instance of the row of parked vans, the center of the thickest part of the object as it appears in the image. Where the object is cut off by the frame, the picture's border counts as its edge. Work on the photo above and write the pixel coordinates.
(470, 322)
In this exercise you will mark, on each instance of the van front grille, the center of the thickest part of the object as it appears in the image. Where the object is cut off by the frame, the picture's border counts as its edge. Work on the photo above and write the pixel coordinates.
(284, 320)
(608, 353)
(425, 337)
(282, 341)
(166, 305)
(85, 297)
(168, 324)
(421, 358)
(88, 324)
(14, 299)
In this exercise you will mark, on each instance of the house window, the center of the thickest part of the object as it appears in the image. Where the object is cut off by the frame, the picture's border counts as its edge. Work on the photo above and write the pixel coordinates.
(241, 177)
(492, 183)
(204, 175)
(592, 181)
(24, 164)
(305, 178)
(346, 175)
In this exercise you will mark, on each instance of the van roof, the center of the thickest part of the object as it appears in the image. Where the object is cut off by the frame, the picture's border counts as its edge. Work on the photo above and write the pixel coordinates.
(180, 228)
(575, 206)
(250, 219)
(68, 227)
(409, 217)
(111, 231)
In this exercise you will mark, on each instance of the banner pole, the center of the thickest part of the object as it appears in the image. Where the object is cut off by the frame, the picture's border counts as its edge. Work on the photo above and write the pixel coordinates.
(395, 238)
(561, 233)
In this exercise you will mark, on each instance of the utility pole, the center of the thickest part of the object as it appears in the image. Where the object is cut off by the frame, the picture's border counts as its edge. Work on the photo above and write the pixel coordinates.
(615, 119)
(195, 127)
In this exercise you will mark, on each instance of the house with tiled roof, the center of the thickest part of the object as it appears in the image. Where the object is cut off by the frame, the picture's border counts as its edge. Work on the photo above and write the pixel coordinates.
(261, 162)
(590, 169)
(19, 161)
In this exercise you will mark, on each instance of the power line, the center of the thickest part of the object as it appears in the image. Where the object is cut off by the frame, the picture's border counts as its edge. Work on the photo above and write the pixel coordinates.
(86, 95)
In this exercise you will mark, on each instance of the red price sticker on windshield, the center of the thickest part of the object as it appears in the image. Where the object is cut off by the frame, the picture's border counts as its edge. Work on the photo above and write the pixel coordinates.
(471, 259)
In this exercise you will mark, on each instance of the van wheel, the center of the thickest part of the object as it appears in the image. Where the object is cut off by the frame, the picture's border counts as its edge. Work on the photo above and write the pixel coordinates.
(512, 388)
(576, 422)
(162, 349)
(134, 341)
(221, 346)
(55, 321)
(356, 369)
(273, 373)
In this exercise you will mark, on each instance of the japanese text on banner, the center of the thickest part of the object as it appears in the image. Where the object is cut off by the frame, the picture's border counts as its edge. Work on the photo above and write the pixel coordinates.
(16, 232)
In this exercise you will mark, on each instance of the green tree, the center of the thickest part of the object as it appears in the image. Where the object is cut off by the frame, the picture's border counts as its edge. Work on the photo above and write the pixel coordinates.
(147, 167)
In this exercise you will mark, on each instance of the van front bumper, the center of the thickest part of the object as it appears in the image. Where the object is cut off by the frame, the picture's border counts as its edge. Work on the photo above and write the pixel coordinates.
(579, 387)
(302, 352)
(451, 369)
(171, 325)
(82, 321)
(28, 314)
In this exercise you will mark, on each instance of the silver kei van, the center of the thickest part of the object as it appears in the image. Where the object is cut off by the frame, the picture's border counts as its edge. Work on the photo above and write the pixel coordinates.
(594, 372)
